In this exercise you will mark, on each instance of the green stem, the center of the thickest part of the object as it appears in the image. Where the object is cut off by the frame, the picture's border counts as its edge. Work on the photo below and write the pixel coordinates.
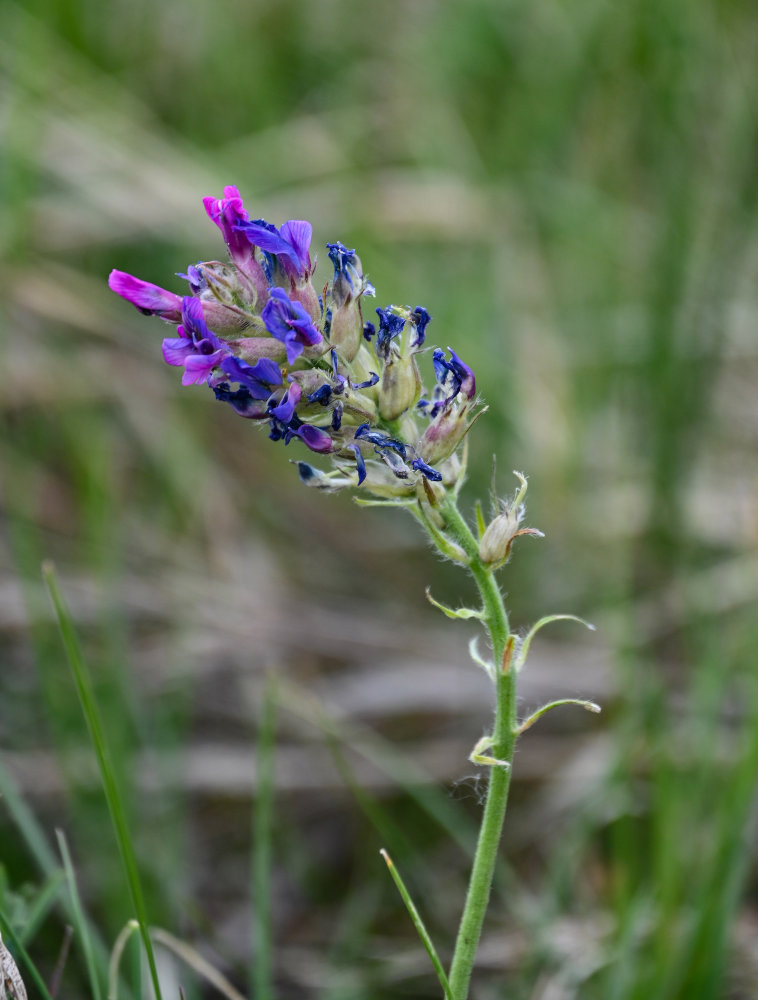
(503, 742)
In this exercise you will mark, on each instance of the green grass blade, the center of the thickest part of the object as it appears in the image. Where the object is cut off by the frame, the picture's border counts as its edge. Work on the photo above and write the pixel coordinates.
(86, 693)
(418, 923)
(80, 921)
(263, 834)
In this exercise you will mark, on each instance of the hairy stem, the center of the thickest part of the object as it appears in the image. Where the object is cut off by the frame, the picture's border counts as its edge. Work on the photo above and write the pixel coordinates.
(503, 741)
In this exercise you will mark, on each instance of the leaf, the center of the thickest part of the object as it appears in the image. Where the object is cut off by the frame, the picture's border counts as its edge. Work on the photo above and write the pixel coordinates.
(487, 665)
(464, 613)
(527, 640)
(590, 706)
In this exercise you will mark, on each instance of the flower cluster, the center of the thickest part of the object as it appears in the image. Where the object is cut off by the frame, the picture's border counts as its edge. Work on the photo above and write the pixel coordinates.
(306, 365)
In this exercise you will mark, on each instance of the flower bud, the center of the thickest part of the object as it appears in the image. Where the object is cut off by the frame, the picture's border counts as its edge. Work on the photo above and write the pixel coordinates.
(304, 293)
(346, 331)
(400, 387)
(151, 300)
(227, 296)
(454, 399)
(496, 542)
(444, 434)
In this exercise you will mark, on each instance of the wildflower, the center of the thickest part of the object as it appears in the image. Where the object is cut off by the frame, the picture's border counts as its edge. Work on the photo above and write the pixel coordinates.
(287, 258)
(258, 379)
(454, 374)
(288, 322)
(290, 244)
(420, 319)
(229, 214)
(391, 325)
(228, 302)
(241, 400)
(152, 300)
(348, 285)
(495, 544)
(450, 408)
(396, 343)
(352, 389)
(199, 350)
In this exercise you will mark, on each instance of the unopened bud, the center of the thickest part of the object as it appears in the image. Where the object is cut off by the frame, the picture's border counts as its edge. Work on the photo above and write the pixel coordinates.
(304, 293)
(496, 542)
(444, 434)
(346, 332)
(228, 297)
(400, 387)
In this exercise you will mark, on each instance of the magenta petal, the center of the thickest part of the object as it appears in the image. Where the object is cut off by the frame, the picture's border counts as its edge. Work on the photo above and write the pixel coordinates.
(315, 438)
(176, 349)
(198, 367)
(227, 213)
(148, 298)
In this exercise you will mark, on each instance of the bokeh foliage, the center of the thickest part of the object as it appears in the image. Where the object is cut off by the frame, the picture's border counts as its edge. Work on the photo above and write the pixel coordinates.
(570, 189)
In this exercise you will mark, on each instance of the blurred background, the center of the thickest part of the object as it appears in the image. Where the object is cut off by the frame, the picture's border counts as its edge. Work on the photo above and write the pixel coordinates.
(571, 190)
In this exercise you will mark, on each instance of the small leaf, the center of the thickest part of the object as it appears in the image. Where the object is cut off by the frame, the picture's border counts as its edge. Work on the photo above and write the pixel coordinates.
(589, 706)
(478, 755)
(527, 640)
(473, 651)
(450, 549)
(464, 613)
(480, 522)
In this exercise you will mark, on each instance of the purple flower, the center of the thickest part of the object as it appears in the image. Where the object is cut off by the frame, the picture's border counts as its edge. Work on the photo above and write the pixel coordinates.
(426, 470)
(390, 326)
(360, 464)
(349, 282)
(285, 409)
(454, 374)
(420, 319)
(317, 439)
(241, 401)
(291, 244)
(258, 379)
(228, 212)
(380, 440)
(199, 350)
(285, 423)
(289, 322)
(321, 395)
(152, 300)
(372, 379)
(195, 278)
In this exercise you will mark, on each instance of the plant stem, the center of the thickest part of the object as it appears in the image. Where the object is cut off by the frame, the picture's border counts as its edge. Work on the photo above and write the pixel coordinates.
(503, 742)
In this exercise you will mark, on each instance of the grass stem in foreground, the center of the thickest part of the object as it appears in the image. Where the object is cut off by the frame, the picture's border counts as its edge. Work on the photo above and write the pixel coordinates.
(418, 924)
(85, 690)
(263, 835)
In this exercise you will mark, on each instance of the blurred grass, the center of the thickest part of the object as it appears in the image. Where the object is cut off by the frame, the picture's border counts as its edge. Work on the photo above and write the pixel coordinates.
(571, 190)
